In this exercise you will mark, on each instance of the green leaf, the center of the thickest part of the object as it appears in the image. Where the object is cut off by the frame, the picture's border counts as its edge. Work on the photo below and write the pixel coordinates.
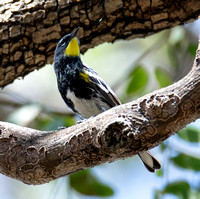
(190, 134)
(187, 162)
(159, 173)
(179, 188)
(163, 77)
(86, 183)
(138, 80)
(192, 49)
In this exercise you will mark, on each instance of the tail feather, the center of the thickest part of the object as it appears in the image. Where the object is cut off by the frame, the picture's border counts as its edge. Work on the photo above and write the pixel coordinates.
(149, 161)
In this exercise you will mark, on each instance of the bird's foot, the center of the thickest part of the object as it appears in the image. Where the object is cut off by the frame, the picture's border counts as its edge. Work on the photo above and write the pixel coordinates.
(80, 121)
(62, 127)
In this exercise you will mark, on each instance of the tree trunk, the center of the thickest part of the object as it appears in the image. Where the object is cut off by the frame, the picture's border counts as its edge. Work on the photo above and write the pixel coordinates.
(36, 157)
(30, 29)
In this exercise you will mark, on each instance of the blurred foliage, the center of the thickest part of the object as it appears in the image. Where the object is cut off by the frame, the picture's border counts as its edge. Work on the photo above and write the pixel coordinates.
(162, 77)
(35, 116)
(172, 54)
(190, 134)
(172, 50)
(24, 115)
(187, 162)
(52, 122)
(138, 79)
(159, 172)
(192, 49)
(86, 183)
(180, 189)
(163, 146)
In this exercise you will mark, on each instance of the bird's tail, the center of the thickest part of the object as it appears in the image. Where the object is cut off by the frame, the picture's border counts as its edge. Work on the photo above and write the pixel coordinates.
(149, 161)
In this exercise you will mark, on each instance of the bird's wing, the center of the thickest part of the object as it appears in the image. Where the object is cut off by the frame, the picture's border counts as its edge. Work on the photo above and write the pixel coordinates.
(98, 84)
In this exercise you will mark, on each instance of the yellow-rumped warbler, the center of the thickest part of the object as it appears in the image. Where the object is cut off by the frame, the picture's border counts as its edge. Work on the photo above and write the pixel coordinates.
(83, 90)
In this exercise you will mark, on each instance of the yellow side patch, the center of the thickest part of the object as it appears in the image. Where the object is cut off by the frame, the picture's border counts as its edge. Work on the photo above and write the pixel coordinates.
(72, 48)
(85, 76)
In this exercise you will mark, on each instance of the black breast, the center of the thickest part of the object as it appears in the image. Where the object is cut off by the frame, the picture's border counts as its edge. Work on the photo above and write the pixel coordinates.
(68, 76)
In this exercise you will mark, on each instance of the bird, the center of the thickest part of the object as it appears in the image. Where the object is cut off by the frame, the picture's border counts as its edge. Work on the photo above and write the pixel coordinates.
(83, 90)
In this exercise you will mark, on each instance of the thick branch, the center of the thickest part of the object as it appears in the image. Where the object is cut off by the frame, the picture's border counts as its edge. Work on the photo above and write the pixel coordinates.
(36, 157)
(30, 31)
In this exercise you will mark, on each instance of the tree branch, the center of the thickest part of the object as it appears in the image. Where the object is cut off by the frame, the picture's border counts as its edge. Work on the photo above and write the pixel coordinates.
(30, 31)
(36, 157)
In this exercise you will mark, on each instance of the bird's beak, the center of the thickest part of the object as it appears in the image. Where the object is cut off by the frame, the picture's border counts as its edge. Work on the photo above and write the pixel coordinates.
(75, 33)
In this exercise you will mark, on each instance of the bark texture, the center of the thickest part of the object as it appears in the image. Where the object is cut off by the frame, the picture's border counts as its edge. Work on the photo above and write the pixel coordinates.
(30, 29)
(36, 157)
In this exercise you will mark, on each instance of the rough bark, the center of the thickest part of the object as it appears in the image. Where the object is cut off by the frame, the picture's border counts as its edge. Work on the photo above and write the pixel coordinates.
(30, 29)
(36, 157)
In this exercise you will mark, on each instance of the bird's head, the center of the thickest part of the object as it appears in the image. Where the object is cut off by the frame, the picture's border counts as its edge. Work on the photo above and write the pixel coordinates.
(69, 45)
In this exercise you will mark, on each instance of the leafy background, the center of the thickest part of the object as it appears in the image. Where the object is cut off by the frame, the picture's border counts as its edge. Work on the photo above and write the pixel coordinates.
(132, 68)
